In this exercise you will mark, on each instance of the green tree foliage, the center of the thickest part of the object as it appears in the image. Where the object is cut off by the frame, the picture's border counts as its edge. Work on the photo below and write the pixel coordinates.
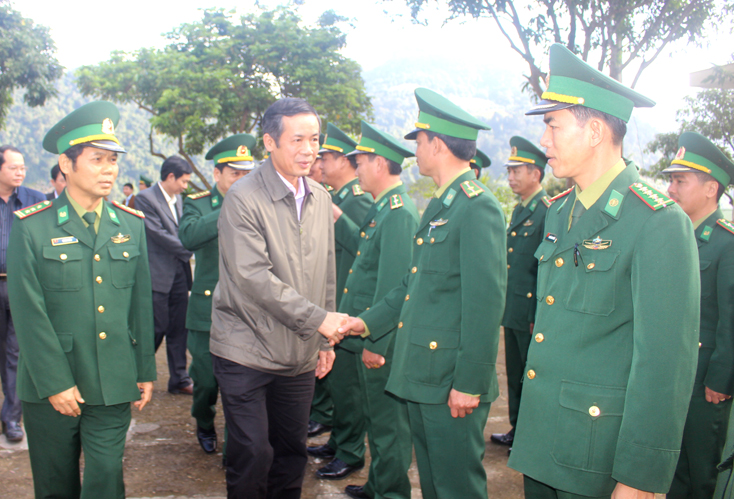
(613, 35)
(27, 61)
(218, 75)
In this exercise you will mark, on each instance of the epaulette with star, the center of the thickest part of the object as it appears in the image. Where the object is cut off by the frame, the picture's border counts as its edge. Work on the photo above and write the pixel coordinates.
(723, 222)
(650, 196)
(199, 195)
(396, 201)
(546, 201)
(471, 188)
(559, 196)
(32, 210)
(357, 190)
(131, 211)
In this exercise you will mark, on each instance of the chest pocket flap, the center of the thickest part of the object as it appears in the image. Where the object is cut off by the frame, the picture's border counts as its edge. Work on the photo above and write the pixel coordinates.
(122, 264)
(598, 260)
(125, 253)
(63, 254)
(62, 267)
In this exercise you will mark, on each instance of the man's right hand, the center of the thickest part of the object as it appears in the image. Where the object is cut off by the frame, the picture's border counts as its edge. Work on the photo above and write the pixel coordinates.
(67, 402)
(329, 327)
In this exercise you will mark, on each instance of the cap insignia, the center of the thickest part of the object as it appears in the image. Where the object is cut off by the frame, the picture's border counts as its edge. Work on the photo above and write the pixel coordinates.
(107, 127)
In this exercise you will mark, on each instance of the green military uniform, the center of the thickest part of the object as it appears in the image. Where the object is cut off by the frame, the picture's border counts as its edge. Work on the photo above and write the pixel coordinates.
(383, 245)
(447, 311)
(198, 233)
(705, 430)
(82, 307)
(611, 365)
(348, 423)
(524, 235)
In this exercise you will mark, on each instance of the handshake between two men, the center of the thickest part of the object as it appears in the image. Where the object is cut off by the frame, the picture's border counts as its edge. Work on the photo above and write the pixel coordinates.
(335, 328)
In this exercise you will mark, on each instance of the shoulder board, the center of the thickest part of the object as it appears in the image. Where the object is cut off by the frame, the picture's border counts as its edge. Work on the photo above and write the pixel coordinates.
(131, 211)
(396, 201)
(726, 224)
(471, 188)
(559, 196)
(30, 210)
(546, 201)
(199, 195)
(650, 196)
(357, 190)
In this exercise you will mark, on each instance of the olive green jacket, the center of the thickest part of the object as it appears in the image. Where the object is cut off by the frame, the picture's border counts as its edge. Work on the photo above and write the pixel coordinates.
(609, 374)
(383, 244)
(198, 233)
(355, 203)
(83, 312)
(715, 239)
(449, 306)
(523, 237)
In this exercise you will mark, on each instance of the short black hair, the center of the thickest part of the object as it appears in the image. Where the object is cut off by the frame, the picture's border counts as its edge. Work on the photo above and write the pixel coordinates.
(74, 152)
(463, 149)
(393, 167)
(705, 177)
(176, 165)
(128, 185)
(272, 121)
(55, 172)
(584, 114)
(2, 153)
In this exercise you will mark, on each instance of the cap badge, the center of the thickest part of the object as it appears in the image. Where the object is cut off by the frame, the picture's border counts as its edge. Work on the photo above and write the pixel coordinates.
(513, 151)
(107, 127)
(242, 151)
(681, 153)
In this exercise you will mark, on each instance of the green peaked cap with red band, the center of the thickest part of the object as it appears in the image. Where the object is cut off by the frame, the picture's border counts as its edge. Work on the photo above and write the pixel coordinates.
(572, 82)
(697, 153)
(93, 124)
(440, 115)
(373, 141)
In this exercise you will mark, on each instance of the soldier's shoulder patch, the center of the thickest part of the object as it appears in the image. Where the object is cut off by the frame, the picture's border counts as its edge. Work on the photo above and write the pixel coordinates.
(396, 201)
(546, 201)
(199, 195)
(32, 210)
(652, 197)
(471, 188)
(328, 187)
(723, 222)
(129, 210)
(357, 190)
(559, 196)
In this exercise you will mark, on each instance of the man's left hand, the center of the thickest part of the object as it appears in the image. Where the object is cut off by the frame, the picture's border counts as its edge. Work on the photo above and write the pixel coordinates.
(715, 397)
(326, 362)
(462, 404)
(146, 393)
(622, 491)
(372, 360)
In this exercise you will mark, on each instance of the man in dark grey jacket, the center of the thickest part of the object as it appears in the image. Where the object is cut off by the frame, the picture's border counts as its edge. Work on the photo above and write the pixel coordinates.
(273, 325)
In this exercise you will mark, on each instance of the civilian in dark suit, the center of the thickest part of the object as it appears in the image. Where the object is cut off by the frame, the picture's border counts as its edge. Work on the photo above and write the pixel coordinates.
(169, 266)
(13, 197)
(58, 182)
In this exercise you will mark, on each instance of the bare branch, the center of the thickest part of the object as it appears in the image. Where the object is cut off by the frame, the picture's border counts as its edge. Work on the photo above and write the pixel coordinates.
(198, 173)
(152, 151)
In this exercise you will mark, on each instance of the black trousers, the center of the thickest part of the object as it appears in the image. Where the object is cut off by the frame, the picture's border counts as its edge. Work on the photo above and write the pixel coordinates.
(169, 315)
(267, 420)
(12, 409)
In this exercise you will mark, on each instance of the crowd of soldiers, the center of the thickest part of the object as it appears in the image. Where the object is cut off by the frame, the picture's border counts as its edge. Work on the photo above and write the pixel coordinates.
(615, 300)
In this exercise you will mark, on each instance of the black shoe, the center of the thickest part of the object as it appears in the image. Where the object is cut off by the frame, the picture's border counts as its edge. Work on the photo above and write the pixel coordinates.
(315, 428)
(321, 451)
(356, 492)
(207, 439)
(503, 438)
(184, 390)
(13, 432)
(336, 470)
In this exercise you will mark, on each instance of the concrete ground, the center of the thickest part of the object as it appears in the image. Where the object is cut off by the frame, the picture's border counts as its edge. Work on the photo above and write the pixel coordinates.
(164, 460)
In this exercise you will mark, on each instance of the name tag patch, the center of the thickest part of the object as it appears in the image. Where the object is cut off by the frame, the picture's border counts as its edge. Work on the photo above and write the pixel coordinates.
(551, 237)
(60, 241)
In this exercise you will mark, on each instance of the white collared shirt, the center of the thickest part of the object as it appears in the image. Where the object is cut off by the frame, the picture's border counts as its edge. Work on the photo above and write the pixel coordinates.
(300, 193)
(171, 200)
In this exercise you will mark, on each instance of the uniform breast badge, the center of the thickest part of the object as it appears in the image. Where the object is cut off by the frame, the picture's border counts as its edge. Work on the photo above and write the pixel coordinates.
(597, 243)
(120, 238)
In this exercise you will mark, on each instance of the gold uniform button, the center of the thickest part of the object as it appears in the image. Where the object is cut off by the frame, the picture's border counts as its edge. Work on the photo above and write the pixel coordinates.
(345, 290)
(529, 295)
(433, 239)
(100, 309)
(433, 345)
(414, 270)
(699, 344)
(510, 250)
(539, 337)
(207, 293)
(541, 258)
(531, 374)
(508, 265)
(407, 297)
(513, 233)
(400, 325)
(590, 266)
(419, 241)
(367, 237)
(99, 279)
(97, 258)
(102, 335)
(125, 254)
(559, 262)
(594, 411)
(361, 234)
(359, 253)
(526, 234)
(550, 300)
(350, 271)
(63, 256)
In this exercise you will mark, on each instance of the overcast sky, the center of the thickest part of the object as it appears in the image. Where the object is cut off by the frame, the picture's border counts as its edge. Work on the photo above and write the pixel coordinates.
(86, 33)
